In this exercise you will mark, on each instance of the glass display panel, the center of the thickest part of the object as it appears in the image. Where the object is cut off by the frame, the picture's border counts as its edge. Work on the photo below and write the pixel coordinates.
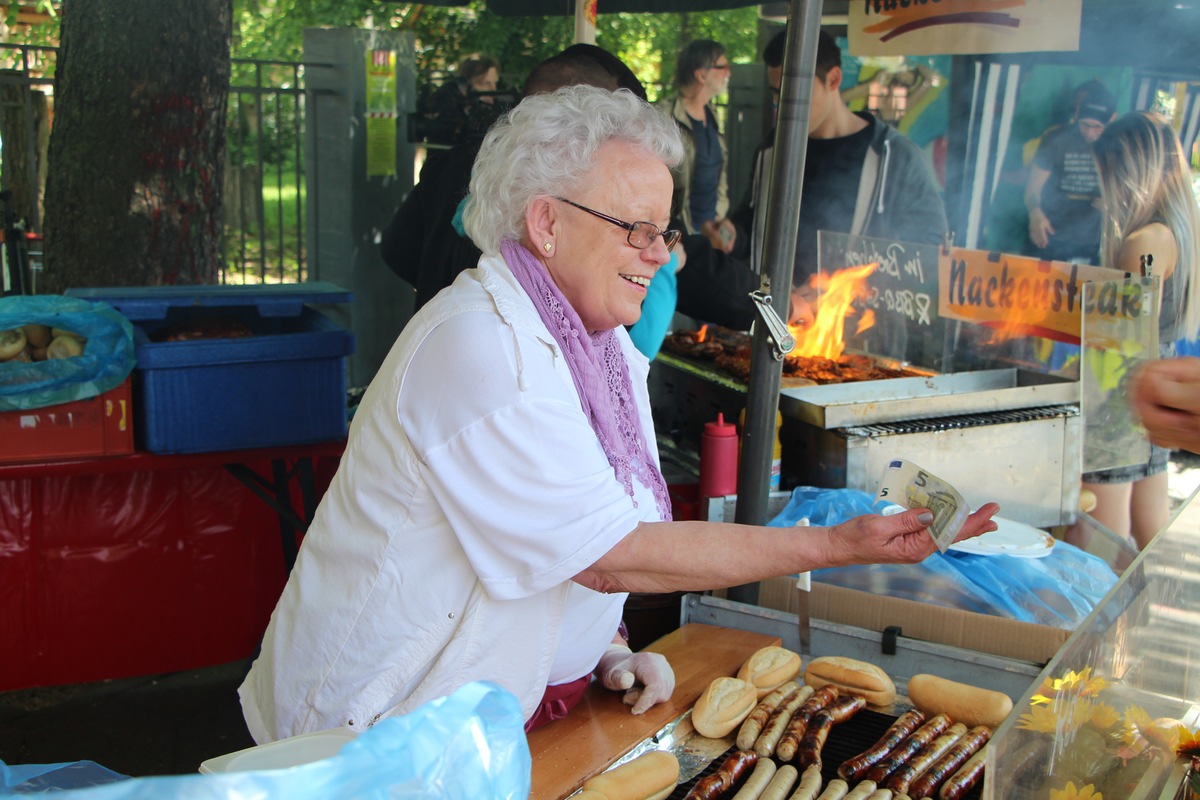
(1120, 331)
(895, 307)
(1116, 713)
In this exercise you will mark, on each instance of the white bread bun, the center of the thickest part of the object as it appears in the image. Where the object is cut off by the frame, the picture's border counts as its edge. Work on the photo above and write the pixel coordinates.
(650, 776)
(770, 668)
(858, 677)
(964, 703)
(723, 706)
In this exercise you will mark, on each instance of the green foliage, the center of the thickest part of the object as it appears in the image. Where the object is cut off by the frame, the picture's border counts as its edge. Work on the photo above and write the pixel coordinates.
(648, 43)
(43, 33)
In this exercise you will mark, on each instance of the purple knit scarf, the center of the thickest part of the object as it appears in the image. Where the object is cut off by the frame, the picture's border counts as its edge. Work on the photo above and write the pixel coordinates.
(601, 377)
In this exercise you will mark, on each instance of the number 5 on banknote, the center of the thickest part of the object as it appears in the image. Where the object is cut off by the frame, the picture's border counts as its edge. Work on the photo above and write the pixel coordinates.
(906, 484)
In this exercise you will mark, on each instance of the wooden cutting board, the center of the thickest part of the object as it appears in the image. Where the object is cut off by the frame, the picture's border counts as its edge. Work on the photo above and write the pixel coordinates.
(600, 729)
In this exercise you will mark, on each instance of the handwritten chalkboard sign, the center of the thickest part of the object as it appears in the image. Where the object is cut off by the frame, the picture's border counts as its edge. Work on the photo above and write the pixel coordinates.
(902, 292)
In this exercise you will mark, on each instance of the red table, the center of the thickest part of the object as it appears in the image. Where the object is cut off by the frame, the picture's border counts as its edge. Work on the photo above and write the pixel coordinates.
(138, 564)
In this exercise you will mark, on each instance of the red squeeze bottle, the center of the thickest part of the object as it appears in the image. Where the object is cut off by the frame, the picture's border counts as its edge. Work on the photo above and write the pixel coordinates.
(718, 458)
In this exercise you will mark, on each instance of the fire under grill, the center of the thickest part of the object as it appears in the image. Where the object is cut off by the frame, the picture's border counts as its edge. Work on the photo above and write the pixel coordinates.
(1008, 435)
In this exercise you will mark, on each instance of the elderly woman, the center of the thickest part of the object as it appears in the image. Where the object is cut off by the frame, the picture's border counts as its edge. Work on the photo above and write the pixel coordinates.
(500, 491)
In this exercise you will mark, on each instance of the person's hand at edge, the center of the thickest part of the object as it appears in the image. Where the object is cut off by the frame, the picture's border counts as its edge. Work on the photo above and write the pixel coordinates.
(1165, 396)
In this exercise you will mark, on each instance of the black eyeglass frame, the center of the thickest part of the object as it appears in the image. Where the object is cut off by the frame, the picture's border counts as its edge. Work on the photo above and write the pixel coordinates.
(670, 237)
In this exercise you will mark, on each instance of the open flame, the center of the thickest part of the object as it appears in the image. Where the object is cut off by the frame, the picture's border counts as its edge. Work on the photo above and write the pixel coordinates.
(702, 333)
(824, 338)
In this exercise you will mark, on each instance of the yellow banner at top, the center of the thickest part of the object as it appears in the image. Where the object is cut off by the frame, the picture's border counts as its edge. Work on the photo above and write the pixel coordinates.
(1023, 296)
(935, 27)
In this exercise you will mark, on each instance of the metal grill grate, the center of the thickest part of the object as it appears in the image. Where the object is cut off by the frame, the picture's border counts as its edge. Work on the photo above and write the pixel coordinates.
(964, 421)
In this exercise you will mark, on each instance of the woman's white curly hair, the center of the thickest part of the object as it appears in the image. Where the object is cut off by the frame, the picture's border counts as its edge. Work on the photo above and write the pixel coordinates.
(546, 144)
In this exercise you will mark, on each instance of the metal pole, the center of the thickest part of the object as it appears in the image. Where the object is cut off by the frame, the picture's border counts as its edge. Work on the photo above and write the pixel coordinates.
(779, 254)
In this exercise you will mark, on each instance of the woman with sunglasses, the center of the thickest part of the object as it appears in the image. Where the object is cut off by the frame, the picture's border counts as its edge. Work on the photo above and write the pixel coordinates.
(500, 492)
(701, 197)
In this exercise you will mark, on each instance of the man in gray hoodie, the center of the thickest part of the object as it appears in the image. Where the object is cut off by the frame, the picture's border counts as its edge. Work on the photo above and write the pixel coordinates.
(861, 176)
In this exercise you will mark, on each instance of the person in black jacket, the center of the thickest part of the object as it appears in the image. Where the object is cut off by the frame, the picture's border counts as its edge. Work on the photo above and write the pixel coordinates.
(423, 246)
(861, 177)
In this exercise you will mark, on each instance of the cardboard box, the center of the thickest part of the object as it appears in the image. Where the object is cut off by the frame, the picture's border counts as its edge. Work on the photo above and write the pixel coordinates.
(982, 633)
(98, 426)
(284, 384)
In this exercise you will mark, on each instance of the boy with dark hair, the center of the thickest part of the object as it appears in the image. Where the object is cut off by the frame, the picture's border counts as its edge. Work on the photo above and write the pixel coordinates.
(861, 176)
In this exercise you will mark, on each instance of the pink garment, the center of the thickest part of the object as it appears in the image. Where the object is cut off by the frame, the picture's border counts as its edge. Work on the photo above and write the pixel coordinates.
(557, 701)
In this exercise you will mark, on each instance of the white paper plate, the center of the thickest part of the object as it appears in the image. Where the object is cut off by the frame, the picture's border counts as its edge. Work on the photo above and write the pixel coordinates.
(291, 752)
(1010, 539)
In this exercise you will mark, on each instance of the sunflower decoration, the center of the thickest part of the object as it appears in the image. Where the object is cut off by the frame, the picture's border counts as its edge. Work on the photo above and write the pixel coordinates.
(1080, 684)
(1104, 717)
(1056, 717)
(1189, 744)
(1069, 792)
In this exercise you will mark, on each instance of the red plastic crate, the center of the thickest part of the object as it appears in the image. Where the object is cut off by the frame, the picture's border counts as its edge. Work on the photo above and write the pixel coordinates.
(99, 426)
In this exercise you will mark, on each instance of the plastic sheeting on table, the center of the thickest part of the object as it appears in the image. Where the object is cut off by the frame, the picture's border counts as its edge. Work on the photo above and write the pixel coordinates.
(1059, 590)
(469, 745)
(116, 574)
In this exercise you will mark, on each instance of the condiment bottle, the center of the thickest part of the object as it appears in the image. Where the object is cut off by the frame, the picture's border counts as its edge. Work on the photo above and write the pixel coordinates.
(718, 458)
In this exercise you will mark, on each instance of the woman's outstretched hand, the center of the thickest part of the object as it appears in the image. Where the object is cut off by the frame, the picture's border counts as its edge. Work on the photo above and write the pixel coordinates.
(899, 538)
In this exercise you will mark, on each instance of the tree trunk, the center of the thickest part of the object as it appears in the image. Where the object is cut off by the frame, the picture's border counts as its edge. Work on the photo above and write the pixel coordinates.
(133, 194)
(25, 124)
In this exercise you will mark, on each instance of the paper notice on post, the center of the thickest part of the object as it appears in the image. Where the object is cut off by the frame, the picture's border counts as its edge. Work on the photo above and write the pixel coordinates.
(906, 484)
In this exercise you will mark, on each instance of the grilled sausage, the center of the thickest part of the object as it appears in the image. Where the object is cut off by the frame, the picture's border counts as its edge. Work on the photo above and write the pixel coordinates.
(767, 741)
(837, 789)
(779, 786)
(862, 791)
(764, 770)
(808, 752)
(798, 725)
(903, 776)
(920, 738)
(961, 782)
(727, 775)
(845, 707)
(753, 726)
(810, 784)
(945, 766)
(853, 768)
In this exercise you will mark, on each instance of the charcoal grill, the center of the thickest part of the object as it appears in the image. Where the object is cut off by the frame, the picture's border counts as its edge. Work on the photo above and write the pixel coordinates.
(1006, 435)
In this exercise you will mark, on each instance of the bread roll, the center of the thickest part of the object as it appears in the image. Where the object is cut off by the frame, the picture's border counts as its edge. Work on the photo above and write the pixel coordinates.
(650, 776)
(969, 705)
(769, 668)
(723, 706)
(859, 677)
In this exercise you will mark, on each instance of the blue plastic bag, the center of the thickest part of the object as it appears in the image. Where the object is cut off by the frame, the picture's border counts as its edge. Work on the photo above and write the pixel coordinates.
(1059, 590)
(106, 361)
(469, 745)
(824, 506)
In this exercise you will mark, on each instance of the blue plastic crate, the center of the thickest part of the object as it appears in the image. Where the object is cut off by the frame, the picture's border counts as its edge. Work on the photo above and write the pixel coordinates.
(283, 385)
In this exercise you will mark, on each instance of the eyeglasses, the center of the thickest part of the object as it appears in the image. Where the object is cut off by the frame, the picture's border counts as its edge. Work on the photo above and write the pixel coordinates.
(641, 234)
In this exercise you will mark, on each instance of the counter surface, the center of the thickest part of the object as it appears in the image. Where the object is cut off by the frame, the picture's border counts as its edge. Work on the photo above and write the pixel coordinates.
(600, 730)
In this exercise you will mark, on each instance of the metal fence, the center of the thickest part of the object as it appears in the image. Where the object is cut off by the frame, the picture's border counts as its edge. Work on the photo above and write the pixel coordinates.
(264, 189)
(264, 174)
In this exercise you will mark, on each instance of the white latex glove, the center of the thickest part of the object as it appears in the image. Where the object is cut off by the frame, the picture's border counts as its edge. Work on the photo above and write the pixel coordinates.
(647, 678)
